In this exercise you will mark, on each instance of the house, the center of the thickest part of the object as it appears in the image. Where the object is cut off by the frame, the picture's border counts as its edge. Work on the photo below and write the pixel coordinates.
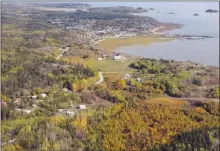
(65, 89)
(61, 110)
(138, 79)
(81, 107)
(70, 113)
(116, 53)
(117, 57)
(99, 58)
(27, 111)
(43, 95)
(34, 97)
(126, 76)
(12, 140)
(103, 56)
(18, 109)
(18, 99)
(34, 105)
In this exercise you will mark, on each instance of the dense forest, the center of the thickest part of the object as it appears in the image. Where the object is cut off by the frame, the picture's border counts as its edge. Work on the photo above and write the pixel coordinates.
(148, 111)
(138, 126)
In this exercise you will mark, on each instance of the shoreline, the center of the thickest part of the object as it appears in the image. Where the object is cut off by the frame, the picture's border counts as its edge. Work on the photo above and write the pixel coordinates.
(110, 44)
(155, 33)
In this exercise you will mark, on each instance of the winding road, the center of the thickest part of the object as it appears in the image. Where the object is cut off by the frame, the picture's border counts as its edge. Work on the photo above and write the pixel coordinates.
(63, 50)
(101, 78)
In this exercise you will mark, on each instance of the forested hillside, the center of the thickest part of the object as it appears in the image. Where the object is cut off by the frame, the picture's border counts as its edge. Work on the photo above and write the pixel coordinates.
(50, 99)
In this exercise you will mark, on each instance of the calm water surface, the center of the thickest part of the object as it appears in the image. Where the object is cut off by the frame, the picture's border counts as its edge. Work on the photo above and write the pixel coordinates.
(206, 24)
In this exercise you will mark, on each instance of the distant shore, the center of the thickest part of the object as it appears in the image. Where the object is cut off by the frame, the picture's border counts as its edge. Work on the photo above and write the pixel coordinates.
(168, 27)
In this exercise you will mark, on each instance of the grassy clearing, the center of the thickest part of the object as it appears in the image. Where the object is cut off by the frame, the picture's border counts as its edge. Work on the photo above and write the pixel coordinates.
(167, 101)
(73, 59)
(113, 43)
(110, 66)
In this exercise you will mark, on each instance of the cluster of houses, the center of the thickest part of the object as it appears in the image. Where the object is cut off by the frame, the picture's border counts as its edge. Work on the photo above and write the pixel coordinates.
(116, 56)
(43, 95)
(72, 111)
(127, 76)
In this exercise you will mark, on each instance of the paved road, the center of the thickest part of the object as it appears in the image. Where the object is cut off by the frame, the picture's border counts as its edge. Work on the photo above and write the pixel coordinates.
(101, 78)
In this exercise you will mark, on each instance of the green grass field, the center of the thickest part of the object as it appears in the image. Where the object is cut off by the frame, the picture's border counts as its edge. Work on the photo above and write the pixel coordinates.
(110, 66)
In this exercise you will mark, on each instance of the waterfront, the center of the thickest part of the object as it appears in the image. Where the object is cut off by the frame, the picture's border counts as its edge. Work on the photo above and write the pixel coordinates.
(204, 51)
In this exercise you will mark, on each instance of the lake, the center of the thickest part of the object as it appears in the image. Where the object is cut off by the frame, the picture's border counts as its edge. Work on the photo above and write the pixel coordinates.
(204, 51)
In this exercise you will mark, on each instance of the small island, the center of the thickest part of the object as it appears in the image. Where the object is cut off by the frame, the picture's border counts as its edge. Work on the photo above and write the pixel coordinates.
(211, 11)
(151, 9)
(195, 14)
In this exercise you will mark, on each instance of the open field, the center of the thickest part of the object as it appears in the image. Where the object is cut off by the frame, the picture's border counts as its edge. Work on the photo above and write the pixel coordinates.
(113, 43)
(110, 66)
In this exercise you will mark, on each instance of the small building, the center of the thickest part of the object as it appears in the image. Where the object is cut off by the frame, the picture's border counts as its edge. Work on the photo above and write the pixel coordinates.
(43, 95)
(70, 113)
(12, 141)
(81, 107)
(27, 111)
(104, 55)
(18, 99)
(34, 105)
(61, 110)
(138, 79)
(99, 58)
(34, 97)
(126, 76)
(65, 89)
(117, 57)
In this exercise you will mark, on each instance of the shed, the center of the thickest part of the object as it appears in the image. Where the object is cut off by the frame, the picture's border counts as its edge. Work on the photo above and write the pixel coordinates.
(99, 58)
(34, 97)
(65, 89)
(138, 79)
(117, 57)
(126, 76)
(70, 113)
(81, 107)
(43, 95)
(27, 111)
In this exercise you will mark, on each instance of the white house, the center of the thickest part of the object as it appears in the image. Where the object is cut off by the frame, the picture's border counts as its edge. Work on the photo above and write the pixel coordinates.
(117, 57)
(138, 79)
(43, 95)
(34, 105)
(126, 76)
(34, 97)
(70, 113)
(27, 111)
(104, 55)
(61, 110)
(65, 89)
(81, 107)
(18, 99)
(99, 58)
